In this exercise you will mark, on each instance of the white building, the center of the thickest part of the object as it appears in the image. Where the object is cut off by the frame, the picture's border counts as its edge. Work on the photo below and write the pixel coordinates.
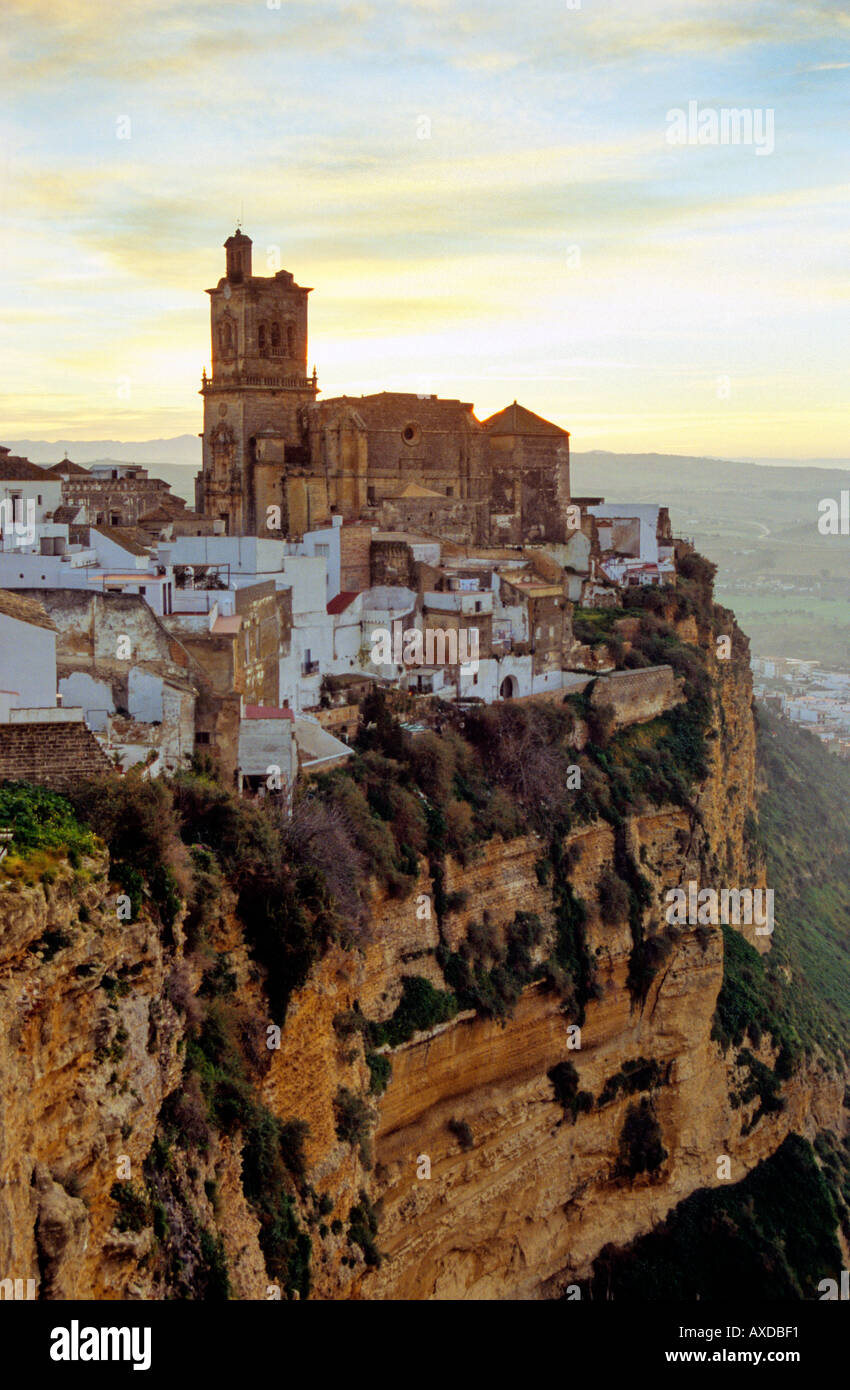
(27, 656)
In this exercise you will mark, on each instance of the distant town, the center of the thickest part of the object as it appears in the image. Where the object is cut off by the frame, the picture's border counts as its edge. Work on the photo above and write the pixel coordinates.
(807, 694)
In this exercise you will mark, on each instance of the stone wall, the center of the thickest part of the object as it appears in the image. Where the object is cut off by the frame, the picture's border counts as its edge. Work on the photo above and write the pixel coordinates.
(56, 755)
(638, 696)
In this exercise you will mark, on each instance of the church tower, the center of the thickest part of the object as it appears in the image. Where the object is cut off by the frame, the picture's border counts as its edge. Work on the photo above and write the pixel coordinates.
(252, 436)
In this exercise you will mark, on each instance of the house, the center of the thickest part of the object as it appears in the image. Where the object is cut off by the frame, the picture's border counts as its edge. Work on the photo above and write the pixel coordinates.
(28, 496)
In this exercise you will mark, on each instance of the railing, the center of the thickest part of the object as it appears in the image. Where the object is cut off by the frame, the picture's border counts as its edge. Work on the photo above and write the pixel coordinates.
(280, 383)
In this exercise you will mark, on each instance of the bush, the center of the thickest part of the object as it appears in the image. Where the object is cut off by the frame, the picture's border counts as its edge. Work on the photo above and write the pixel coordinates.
(638, 1074)
(462, 1133)
(613, 896)
(380, 1071)
(41, 819)
(352, 1116)
(363, 1228)
(565, 1084)
(641, 1149)
(133, 1202)
(421, 1007)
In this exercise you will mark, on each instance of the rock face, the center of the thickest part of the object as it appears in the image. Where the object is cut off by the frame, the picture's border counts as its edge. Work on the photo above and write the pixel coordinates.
(486, 1185)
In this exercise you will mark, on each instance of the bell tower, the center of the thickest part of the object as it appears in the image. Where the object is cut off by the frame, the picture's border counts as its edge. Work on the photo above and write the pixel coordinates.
(253, 397)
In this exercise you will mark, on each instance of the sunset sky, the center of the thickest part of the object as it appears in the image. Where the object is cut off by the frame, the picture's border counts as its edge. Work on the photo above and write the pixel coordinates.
(544, 241)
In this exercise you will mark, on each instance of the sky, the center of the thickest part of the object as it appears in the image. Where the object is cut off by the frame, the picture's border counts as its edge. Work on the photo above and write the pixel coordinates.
(486, 198)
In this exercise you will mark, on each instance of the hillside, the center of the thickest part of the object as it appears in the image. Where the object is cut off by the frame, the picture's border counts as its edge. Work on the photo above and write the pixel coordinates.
(337, 1053)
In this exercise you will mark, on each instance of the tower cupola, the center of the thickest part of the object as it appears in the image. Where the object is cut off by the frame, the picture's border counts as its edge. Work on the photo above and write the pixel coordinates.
(238, 248)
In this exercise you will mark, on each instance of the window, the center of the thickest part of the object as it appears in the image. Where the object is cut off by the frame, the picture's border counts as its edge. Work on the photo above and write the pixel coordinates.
(290, 340)
(275, 335)
(478, 606)
(38, 499)
(411, 434)
(202, 736)
(261, 337)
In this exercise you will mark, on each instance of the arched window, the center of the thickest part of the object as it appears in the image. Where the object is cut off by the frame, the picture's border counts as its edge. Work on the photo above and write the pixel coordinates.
(290, 340)
(261, 337)
(225, 336)
(275, 335)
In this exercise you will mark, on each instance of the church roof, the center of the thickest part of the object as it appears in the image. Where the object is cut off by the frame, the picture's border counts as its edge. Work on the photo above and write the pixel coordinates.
(66, 466)
(416, 490)
(515, 419)
(395, 409)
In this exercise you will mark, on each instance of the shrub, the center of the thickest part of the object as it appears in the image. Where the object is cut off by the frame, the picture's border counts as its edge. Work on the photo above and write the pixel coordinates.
(41, 819)
(641, 1149)
(639, 1074)
(421, 1006)
(352, 1116)
(134, 1211)
(613, 896)
(565, 1084)
(380, 1071)
(363, 1228)
(462, 1133)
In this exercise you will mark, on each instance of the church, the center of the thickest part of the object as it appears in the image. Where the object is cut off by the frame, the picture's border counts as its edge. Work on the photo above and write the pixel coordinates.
(277, 460)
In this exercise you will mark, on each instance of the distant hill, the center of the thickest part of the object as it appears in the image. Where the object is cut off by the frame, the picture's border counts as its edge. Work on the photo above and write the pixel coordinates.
(181, 449)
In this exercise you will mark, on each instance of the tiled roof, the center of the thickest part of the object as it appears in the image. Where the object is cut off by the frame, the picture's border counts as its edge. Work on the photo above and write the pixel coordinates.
(15, 468)
(66, 466)
(127, 537)
(343, 600)
(267, 712)
(25, 610)
(515, 419)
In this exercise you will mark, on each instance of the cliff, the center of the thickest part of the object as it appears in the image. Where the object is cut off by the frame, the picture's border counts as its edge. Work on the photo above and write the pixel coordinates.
(554, 1080)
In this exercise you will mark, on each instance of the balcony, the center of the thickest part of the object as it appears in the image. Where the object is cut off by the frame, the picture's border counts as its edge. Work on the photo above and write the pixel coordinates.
(309, 668)
(278, 383)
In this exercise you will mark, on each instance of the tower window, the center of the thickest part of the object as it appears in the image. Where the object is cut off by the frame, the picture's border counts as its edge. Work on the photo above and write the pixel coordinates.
(275, 335)
(261, 337)
(411, 434)
(290, 340)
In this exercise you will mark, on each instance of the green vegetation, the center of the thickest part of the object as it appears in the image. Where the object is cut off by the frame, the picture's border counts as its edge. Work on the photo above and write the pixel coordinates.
(363, 1228)
(267, 1182)
(565, 1084)
(462, 1132)
(641, 1149)
(44, 829)
(805, 827)
(773, 1235)
(421, 1006)
(635, 1075)
(489, 975)
(353, 1121)
(380, 1071)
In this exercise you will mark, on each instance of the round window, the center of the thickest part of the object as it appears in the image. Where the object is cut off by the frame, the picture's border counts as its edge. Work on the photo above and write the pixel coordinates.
(411, 434)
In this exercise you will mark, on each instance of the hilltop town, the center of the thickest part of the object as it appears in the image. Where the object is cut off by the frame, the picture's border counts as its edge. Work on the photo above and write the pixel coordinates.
(391, 541)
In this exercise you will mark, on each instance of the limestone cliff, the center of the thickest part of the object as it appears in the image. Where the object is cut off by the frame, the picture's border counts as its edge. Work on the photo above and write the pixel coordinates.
(491, 1165)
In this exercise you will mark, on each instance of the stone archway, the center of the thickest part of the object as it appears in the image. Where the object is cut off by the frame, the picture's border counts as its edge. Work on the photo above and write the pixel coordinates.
(509, 689)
